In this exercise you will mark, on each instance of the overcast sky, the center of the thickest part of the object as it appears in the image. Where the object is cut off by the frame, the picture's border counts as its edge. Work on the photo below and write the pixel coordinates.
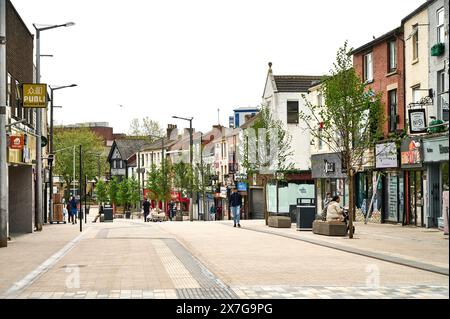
(191, 57)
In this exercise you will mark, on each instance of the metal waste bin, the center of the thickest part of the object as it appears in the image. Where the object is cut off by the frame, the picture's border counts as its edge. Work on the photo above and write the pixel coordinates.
(108, 214)
(306, 213)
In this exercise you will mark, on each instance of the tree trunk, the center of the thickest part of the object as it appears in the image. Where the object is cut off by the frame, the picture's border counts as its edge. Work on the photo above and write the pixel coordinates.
(351, 206)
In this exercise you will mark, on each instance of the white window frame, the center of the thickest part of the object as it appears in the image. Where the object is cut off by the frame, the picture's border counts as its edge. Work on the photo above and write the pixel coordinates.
(440, 26)
(368, 76)
(392, 55)
(416, 93)
(415, 42)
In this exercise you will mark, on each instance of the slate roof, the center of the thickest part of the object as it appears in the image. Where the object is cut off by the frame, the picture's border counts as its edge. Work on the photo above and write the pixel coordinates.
(295, 83)
(128, 147)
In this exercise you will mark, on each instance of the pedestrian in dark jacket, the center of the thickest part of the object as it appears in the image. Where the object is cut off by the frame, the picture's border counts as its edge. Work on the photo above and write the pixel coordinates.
(235, 204)
(146, 205)
(73, 209)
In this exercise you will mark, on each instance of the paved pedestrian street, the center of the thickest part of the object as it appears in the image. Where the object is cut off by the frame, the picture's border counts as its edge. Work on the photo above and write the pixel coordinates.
(130, 259)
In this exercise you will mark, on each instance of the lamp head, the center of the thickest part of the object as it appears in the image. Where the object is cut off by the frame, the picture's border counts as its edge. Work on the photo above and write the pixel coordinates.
(69, 24)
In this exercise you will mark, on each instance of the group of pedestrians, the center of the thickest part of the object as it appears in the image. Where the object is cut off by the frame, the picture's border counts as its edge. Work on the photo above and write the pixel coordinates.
(235, 202)
(71, 210)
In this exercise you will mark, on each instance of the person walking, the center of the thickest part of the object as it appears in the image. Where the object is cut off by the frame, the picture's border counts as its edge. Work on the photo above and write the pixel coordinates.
(235, 204)
(146, 205)
(73, 210)
(100, 212)
(171, 210)
(212, 213)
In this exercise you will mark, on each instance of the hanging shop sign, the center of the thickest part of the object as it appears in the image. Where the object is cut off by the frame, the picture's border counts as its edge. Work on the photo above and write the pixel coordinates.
(242, 187)
(34, 95)
(417, 121)
(435, 150)
(411, 153)
(16, 142)
(386, 155)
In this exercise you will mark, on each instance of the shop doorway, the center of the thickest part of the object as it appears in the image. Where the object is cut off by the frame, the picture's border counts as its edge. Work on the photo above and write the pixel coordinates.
(415, 199)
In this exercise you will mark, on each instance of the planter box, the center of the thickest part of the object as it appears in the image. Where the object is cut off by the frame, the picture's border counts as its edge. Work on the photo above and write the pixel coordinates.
(178, 218)
(280, 222)
(438, 49)
(329, 228)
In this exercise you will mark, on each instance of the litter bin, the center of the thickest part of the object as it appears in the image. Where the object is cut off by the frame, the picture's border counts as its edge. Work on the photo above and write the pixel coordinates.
(306, 213)
(108, 214)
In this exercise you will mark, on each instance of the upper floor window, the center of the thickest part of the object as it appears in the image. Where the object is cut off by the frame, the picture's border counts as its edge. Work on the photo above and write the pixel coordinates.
(416, 95)
(368, 67)
(442, 103)
(320, 141)
(415, 42)
(392, 96)
(320, 99)
(392, 56)
(440, 26)
(292, 112)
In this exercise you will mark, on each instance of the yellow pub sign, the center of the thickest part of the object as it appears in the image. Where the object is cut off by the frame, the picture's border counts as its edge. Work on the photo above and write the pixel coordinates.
(34, 95)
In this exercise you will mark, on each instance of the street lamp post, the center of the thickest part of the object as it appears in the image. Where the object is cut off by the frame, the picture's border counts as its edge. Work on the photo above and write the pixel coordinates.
(50, 158)
(191, 143)
(39, 195)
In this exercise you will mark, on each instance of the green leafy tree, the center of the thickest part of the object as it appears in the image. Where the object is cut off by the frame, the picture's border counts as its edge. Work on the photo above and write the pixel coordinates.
(93, 156)
(134, 191)
(153, 184)
(267, 146)
(123, 195)
(352, 118)
(113, 190)
(101, 190)
(182, 175)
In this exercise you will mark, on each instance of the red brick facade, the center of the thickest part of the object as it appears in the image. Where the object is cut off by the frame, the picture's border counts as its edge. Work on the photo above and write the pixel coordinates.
(383, 80)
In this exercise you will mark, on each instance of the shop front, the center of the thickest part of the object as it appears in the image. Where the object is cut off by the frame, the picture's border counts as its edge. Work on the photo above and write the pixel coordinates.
(21, 154)
(435, 159)
(329, 178)
(414, 181)
(392, 181)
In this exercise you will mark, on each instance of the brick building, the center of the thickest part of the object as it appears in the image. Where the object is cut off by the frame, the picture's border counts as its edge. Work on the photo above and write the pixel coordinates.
(380, 63)
(21, 167)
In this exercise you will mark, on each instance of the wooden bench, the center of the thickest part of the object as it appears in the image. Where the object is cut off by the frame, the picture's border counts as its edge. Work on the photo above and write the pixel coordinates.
(118, 215)
(329, 228)
(280, 222)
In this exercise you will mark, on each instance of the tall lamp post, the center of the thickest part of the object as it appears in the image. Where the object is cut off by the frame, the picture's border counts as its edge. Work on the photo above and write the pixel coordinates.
(191, 143)
(39, 194)
(50, 157)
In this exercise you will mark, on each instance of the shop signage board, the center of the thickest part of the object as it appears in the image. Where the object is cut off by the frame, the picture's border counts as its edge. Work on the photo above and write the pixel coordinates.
(435, 150)
(417, 121)
(386, 155)
(34, 95)
(326, 166)
(242, 187)
(411, 153)
(16, 142)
